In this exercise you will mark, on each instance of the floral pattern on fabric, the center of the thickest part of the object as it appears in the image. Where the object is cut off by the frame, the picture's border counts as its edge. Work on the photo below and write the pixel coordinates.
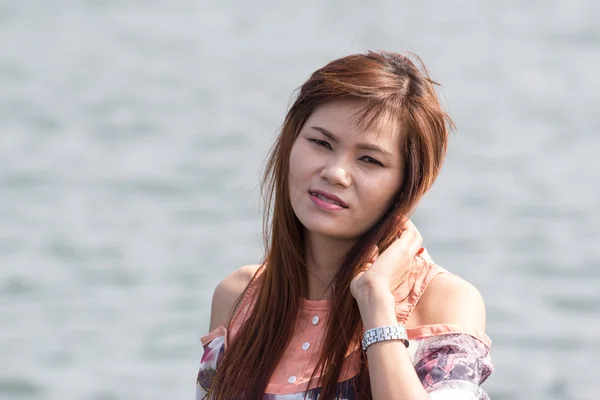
(213, 354)
(344, 392)
(447, 359)
(448, 366)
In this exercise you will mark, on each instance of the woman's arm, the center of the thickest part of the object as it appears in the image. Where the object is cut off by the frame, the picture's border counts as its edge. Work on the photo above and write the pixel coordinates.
(226, 293)
(447, 300)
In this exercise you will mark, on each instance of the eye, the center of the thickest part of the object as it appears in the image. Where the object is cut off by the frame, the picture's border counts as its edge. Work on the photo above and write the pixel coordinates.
(321, 143)
(371, 160)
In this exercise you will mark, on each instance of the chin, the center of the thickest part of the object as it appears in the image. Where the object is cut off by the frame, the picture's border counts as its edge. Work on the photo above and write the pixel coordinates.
(327, 229)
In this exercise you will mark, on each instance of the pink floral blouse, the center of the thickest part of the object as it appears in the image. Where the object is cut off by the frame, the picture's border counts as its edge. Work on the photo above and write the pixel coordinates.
(451, 361)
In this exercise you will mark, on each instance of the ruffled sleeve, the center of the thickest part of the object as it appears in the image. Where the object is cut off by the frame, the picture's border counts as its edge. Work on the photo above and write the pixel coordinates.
(214, 349)
(452, 366)
(215, 342)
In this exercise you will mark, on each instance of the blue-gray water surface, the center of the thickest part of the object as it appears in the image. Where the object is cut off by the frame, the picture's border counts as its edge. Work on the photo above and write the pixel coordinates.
(133, 133)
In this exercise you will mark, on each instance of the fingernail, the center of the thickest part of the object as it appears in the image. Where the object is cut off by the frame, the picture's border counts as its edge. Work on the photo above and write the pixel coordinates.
(420, 251)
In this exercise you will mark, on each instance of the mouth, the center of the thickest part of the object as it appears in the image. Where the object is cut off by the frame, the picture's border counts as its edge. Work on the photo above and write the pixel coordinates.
(328, 198)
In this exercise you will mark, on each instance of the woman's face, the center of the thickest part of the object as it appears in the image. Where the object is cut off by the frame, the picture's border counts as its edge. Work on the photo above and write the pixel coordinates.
(343, 178)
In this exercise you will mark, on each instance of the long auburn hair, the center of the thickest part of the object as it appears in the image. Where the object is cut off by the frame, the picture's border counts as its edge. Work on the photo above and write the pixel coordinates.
(392, 88)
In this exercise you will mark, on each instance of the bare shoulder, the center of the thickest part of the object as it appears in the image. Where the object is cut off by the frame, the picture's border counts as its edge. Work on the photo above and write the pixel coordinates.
(227, 292)
(449, 299)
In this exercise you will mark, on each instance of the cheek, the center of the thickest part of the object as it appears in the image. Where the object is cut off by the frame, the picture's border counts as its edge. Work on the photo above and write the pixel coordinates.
(378, 196)
(300, 162)
(294, 164)
(297, 167)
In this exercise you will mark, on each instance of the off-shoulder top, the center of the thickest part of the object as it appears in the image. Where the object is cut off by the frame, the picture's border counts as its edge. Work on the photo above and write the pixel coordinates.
(452, 361)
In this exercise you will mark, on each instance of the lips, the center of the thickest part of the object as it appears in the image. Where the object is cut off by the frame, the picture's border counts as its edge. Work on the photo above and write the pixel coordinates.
(329, 197)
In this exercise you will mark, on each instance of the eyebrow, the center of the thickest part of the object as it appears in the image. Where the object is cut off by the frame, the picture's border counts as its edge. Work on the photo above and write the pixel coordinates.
(365, 146)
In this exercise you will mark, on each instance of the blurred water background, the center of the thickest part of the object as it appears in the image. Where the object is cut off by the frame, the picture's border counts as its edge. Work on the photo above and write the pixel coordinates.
(133, 133)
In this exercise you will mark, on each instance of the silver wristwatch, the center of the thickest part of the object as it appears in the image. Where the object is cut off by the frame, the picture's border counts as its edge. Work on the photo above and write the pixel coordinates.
(381, 333)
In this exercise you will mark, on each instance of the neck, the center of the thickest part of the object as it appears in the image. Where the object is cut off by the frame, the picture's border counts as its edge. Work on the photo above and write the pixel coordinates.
(324, 256)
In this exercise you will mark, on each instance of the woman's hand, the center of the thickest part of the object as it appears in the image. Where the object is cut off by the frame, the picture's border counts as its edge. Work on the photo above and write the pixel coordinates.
(386, 271)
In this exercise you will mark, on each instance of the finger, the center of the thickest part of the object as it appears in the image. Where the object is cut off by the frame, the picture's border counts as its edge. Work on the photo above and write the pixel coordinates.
(409, 226)
(364, 268)
(374, 253)
(406, 228)
(412, 231)
(409, 242)
(401, 220)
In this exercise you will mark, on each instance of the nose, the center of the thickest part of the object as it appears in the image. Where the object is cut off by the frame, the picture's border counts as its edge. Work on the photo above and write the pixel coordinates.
(336, 175)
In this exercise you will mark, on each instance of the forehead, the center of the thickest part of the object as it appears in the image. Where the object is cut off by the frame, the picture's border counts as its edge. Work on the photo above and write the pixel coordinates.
(343, 118)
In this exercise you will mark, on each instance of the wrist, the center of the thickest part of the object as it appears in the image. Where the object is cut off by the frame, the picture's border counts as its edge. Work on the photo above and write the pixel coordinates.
(384, 333)
(371, 288)
(377, 309)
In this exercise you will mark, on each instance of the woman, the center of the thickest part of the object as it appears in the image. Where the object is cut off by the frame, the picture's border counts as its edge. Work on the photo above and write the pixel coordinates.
(363, 141)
